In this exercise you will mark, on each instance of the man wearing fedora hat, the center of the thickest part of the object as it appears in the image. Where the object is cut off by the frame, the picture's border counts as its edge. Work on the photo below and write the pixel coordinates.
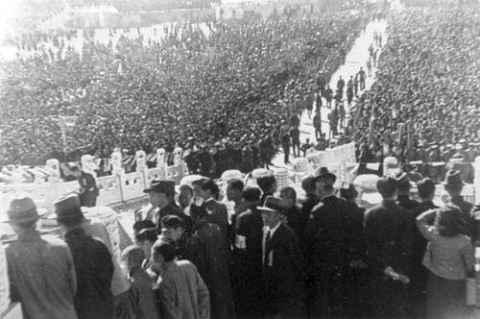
(40, 268)
(93, 262)
(454, 185)
(283, 266)
(161, 195)
(330, 243)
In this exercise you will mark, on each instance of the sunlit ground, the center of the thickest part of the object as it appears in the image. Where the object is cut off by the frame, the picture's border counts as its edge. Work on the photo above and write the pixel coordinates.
(8, 10)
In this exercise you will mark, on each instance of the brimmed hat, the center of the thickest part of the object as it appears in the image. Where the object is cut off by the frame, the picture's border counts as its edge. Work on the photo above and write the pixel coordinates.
(453, 178)
(67, 207)
(323, 172)
(166, 187)
(22, 210)
(272, 204)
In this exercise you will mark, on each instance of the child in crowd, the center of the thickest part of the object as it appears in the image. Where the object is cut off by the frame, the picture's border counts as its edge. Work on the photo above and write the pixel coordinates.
(141, 293)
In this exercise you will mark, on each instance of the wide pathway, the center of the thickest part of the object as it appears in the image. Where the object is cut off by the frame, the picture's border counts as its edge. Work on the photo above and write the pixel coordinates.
(356, 58)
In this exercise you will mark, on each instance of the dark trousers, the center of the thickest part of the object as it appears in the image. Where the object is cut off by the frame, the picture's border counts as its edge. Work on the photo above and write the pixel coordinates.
(286, 151)
(388, 297)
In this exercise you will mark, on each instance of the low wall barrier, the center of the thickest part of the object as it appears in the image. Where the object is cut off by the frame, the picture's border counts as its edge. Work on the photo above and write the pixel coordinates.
(113, 189)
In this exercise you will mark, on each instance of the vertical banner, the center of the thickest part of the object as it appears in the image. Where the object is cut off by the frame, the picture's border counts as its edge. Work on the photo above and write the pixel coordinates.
(66, 123)
(400, 130)
(371, 131)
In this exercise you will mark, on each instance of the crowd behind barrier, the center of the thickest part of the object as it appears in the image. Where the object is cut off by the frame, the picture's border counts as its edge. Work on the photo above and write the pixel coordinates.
(146, 96)
(423, 106)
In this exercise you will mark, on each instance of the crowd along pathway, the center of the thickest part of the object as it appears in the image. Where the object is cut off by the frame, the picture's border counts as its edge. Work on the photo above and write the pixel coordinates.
(356, 58)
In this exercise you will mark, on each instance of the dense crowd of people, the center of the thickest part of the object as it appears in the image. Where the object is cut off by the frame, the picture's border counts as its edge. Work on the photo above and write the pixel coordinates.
(325, 256)
(424, 104)
(138, 96)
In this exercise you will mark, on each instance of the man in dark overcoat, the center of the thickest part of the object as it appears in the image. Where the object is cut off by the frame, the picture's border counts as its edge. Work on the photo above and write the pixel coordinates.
(330, 245)
(388, 237)
(283, 267)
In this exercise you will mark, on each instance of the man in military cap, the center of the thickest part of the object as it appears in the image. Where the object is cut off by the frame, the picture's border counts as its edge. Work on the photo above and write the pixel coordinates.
(161, 197)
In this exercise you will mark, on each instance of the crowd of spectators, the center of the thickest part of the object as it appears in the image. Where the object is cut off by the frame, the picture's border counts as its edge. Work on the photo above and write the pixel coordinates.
(424, 103)
(239, 79)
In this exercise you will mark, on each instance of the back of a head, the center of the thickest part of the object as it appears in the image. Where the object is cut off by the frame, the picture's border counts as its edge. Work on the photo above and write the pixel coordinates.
(149, 234)
(236, 184)
(403, 184)
(252, 194)
(133, 256)
(289, 192)
(387, 187)
(266, 182)
(426, 188)
(165, 249)
(450, 221)
(308, 185)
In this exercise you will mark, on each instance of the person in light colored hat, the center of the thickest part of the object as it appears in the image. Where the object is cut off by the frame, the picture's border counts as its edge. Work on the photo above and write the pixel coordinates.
(93, 262)
(37, 265)
(283, 266)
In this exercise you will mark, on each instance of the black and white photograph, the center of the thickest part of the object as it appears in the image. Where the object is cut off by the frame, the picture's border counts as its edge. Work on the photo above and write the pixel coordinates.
(239, 159)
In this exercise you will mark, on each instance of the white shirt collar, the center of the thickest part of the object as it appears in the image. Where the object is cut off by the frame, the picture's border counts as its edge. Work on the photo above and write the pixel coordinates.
(271, 230)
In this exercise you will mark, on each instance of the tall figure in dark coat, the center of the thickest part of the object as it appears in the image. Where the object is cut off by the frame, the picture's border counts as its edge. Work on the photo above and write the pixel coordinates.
(283, 266)
(417, 290)
(388, 236)
(205, 249)
(92, 260)
(330, 243)
(248, 256)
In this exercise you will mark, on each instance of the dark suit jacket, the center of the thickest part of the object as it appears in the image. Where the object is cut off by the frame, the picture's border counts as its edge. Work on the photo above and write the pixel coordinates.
(218, 215)
(405, 202)
(389, 237)
(94, 270)
(284, 278)
(332, 234)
